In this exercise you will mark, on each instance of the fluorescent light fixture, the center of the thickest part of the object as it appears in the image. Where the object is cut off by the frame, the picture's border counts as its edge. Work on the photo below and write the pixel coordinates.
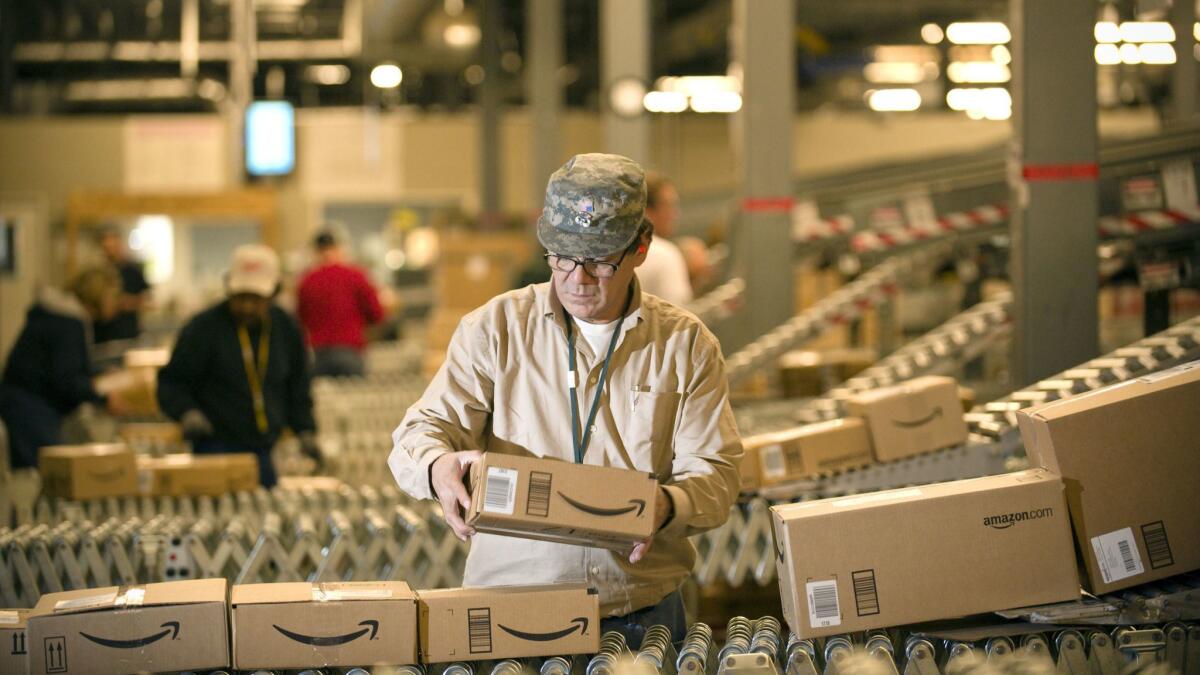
(329, 74)
(626, 95)
(981, 72)
(716, 102)
(1108, 54)
(932, 33)
(893, 100)
(691, 85)
(895, 72)
(1130, 54)
(461, 35)
(1001, 55)
(973, 98)
(665, 102)
(978, 33)
(1196, 31)
(386, 76)
(1157, 53)
(904, 53)
(154, 239)
(1147, 31)
(1107, 32)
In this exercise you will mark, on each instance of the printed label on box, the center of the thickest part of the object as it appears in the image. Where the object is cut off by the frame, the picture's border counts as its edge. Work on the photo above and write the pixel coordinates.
(772, 461)
(500, 494)
(823, 608)
(1117, 555)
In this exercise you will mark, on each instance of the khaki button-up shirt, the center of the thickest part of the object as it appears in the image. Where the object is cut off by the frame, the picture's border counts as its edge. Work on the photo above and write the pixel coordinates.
(665, 410)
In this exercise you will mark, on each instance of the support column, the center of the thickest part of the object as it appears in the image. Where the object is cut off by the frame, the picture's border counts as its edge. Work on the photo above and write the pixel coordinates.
(8, 65)
(625, 54)
(763, 46)
(242, 64)
(1184, 85)
(544, 27)
(490, 214)
(1053, 187)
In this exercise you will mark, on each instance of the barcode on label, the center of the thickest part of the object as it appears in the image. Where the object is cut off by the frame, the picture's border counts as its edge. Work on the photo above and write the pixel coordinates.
(1117, 555)
(823, 608)
(479, 630)
(1158, 548)
(538, 503)
(772, 461)
(866, 595)
(500, 492)
(792, 455)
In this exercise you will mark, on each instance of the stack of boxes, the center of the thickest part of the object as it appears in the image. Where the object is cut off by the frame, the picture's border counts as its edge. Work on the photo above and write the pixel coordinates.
(97, 471)
(1119, 464)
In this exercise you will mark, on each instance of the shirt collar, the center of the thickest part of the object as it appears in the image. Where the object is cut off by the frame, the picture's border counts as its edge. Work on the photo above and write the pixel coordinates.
(550, 307)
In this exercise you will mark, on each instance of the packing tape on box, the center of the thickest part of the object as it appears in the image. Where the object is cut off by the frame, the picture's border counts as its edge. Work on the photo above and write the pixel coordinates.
(9, 617)
(124, 596)
(331, 593)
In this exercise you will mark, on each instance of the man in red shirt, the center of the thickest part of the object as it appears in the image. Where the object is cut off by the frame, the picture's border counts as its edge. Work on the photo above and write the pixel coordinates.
(335, 303)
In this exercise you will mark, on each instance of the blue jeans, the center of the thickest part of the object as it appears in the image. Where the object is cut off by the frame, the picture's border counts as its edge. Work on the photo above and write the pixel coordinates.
(337, 361)
(668, 612)
(266, 470)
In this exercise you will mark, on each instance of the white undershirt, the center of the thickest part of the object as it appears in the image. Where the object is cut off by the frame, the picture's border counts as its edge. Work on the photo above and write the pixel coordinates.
(597, 334)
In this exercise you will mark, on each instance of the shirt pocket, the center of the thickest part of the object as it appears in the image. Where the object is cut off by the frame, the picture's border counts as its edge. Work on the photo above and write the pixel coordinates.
(652, 416)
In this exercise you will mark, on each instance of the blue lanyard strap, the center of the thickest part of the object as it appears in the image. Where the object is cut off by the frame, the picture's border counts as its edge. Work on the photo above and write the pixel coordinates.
(581, 446)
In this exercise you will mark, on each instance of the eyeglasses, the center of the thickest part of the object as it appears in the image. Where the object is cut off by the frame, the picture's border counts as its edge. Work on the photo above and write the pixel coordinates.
(599, 269)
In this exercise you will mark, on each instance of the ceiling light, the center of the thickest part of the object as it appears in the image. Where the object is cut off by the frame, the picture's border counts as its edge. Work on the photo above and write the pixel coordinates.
(665, 102)
(716, 102)
(893, 100)
(1147, 31)
(461, 35)
(1130, 54)
(1108, 55)
(978, 72)
(932, 33)
(328, 74)
(1157, 53)
(386, 76)
(1107, 32)
(978, 33)
(894, 72)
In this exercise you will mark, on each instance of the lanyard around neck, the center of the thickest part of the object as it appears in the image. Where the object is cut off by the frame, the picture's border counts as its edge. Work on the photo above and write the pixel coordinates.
(255, 374)
(580, 445)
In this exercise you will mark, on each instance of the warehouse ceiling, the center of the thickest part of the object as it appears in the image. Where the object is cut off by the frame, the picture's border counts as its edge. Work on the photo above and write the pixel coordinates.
(126, 55)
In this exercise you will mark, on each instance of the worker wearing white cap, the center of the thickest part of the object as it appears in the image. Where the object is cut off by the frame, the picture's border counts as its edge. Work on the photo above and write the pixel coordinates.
(238, 375)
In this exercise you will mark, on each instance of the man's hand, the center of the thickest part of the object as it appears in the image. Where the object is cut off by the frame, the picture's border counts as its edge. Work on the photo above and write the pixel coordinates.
(195, 425)
(446, 477)
(663, 508)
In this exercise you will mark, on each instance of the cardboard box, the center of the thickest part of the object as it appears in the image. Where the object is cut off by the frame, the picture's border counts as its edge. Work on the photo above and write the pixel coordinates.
(152, 438)
(553, 500)
(924, 553)
(912, 417)
(806, 372)
(474, 267)
(313, 483)
(506, 622)
(811, 449)
(137, 386)
(87, 471)
(1129, 457)
(178, 625)
(301, 625)
(197, 475)
(14, 642)
(749, 470)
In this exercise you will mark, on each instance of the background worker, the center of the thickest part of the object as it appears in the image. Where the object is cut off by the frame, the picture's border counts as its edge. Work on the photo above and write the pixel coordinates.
(335, 303)
(238, 375)
(584, 368)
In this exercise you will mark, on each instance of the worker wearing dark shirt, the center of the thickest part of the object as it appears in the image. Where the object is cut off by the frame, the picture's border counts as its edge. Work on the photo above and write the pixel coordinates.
(126, 324)
(48, 372)
(239, 374)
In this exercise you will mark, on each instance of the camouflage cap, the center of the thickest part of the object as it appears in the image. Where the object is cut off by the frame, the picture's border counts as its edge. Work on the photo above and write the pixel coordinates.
(594, 206)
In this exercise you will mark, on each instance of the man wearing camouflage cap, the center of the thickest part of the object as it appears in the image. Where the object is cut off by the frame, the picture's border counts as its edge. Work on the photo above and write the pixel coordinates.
(644, 390)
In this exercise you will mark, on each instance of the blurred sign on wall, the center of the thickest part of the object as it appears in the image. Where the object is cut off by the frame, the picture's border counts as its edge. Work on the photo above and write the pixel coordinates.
(174, 154)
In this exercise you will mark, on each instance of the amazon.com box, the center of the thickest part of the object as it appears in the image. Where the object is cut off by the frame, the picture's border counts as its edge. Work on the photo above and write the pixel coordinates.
(301, 625)
(1130, 457)
(178, 625)
(197, 475)
(811, 449)
(1006, 538)
(94, 471)
(14, 642)
(910, 418)
(508, 622)
(553, 500)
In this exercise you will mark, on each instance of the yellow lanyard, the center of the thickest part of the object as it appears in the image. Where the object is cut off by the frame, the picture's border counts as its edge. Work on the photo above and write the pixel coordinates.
(257, 375)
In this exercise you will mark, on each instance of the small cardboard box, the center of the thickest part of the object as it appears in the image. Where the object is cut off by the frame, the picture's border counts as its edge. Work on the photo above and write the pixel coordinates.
(197, 475)
(14, 642)
(913, 417)
(811, 449)
(888, 558)
(553, 500)
(88, 471)
(178, 625)
(806, 372)
(507, 622)
(750, 472)
(137, 386)
(474, 267)
(301, 625)
(1130, 457)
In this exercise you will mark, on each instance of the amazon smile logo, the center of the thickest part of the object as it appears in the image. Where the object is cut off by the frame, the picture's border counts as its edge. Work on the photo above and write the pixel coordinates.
(172, 629)
(579, 622)
(1006, 520)
(937, 412)
(638, 505)
(369, 626)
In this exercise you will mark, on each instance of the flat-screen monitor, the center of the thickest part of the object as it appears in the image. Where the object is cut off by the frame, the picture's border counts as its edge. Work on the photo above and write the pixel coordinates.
(270, 138)
(8, 246)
